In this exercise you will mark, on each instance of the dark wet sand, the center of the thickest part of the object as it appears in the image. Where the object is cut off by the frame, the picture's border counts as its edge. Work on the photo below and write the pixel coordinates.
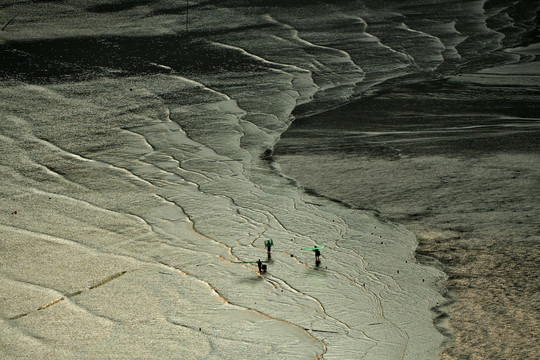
(470, 194)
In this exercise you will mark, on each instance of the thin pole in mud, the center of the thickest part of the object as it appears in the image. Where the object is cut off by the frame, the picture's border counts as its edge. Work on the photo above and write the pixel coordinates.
(9, 22)
(187, 15)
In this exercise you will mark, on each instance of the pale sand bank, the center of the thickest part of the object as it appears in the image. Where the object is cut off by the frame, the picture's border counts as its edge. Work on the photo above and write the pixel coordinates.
(128, 233)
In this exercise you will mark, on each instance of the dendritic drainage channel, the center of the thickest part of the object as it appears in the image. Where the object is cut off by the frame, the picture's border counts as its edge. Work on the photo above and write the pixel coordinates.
(62, 298)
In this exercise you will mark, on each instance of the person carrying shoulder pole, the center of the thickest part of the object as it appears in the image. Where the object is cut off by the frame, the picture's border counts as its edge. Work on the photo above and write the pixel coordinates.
(317, 257)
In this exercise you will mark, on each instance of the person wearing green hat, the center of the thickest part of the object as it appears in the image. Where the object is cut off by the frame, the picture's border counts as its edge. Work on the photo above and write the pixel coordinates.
(268, 245)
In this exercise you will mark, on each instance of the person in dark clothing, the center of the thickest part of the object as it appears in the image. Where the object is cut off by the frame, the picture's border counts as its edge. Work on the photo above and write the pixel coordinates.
(262, 267)
(317, 257)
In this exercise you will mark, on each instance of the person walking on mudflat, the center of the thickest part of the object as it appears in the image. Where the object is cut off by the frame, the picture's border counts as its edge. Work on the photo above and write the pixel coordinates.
(268, 245)
(317, 251)
(262, 268)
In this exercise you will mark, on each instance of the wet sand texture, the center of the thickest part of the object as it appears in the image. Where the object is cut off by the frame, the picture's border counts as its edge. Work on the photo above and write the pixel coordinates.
(464, 177)
(136, 172)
